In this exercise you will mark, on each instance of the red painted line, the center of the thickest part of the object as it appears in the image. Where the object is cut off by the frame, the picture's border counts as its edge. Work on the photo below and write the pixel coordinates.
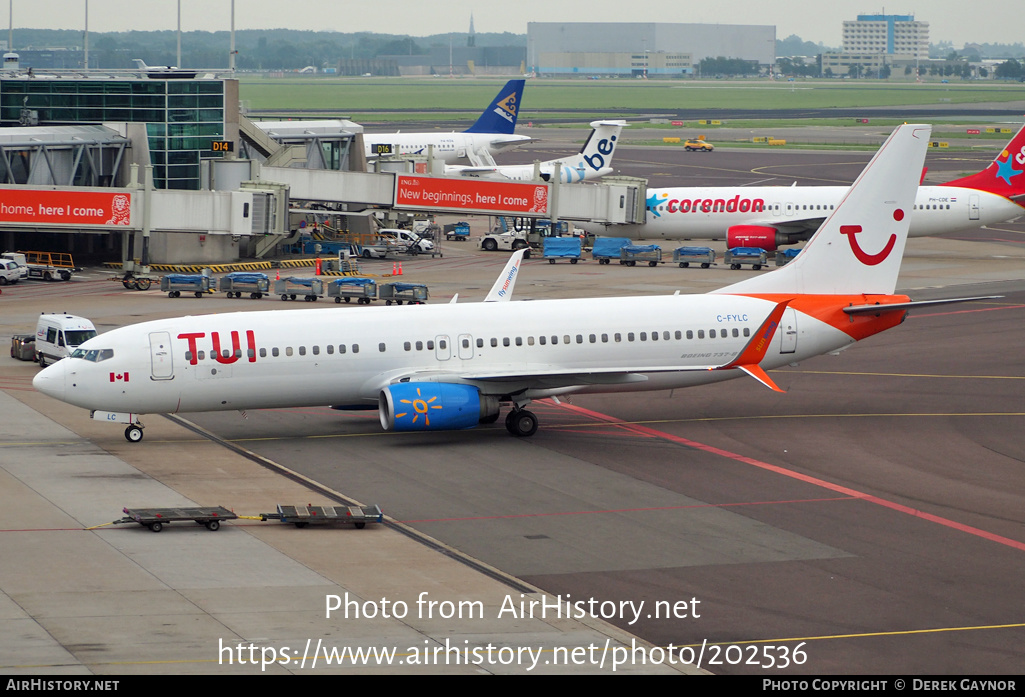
(627, 510)
(946, 522)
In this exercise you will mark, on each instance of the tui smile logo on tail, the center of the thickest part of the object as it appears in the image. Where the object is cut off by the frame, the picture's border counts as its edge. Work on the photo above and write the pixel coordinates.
(864, 257)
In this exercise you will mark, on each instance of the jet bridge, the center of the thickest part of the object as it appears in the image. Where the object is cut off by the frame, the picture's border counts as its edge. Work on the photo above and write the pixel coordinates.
(614, 200)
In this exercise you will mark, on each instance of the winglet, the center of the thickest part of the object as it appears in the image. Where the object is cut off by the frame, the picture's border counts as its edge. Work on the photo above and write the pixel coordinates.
(503, 288)
(756, 348)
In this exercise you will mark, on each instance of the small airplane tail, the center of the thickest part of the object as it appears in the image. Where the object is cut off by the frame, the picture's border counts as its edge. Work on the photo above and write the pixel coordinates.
(1003, 176)
(858, 248)
(595, 157)
(500, 116)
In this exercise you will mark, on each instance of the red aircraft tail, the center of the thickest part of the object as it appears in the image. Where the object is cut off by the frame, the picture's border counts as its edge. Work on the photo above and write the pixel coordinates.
(1005, 175)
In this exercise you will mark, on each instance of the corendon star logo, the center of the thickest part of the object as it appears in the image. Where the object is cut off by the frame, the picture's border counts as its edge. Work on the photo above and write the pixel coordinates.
(864, 257)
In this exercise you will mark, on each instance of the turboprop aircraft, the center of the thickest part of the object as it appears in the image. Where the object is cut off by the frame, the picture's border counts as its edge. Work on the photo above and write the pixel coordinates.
(454, 366)
(490, 134)
(771, 216)
(593, 161)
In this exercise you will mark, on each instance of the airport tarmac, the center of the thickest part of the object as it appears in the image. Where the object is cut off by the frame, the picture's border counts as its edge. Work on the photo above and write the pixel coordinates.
(869, 521)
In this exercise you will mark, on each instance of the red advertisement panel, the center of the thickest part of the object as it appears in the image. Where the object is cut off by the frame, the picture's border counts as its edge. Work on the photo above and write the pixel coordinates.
(481, 195)
(47, 207)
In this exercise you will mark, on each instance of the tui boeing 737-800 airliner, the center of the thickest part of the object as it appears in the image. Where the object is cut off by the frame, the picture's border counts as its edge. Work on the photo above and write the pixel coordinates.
(454, 366)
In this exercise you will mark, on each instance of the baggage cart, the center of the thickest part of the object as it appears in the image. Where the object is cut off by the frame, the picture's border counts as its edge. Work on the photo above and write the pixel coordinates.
(23, 347)
(562, 248)
(606, 249)
(457, 232)
(785, 256)
(630, 254)
(239, 282)
(738, 257)
(309, 288)
(363, 289)
(685, 256)
(397, 292)
(156, 518)
(174, 283)
(302, 515)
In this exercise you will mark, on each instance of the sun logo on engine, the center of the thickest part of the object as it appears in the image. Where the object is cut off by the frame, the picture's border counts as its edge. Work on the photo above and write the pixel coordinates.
(420, 407)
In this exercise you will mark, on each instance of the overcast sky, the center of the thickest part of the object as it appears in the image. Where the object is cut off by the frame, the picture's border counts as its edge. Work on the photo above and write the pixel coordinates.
(958, 21)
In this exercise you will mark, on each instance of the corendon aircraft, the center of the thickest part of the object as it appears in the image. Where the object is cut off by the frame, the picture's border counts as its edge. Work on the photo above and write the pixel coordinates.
(771, 216)
(490, 134)
(455, 366)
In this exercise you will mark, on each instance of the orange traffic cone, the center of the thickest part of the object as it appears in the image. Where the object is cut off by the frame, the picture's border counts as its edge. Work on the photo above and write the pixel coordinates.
(400, 268)
(277, 275)
(394, 269)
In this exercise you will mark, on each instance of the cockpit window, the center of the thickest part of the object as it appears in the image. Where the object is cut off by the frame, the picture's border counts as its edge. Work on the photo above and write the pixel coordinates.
(93, 355)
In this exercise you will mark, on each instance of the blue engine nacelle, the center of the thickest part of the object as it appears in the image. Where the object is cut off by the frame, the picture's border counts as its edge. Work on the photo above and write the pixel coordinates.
(433, 406)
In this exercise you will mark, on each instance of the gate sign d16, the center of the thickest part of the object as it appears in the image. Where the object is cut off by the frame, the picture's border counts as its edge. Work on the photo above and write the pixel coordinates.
(46, 207)
(483, 196)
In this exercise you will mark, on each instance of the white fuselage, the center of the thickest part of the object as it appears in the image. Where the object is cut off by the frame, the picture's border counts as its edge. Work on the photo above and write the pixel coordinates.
(447, 147)
(345, 356)
(708, 212)
(569, 172)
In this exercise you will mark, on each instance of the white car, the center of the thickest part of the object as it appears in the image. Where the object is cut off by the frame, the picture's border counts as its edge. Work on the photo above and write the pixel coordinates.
(406, 238)
(10, 272)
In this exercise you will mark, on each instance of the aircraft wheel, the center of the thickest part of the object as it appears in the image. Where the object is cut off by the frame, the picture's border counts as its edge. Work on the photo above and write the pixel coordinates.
(521, 423)
(213, 525)
(133, 434)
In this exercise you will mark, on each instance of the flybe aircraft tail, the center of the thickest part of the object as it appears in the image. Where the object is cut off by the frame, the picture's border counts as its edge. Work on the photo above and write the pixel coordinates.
(1005, 175)
(500, 116)
(858, 249)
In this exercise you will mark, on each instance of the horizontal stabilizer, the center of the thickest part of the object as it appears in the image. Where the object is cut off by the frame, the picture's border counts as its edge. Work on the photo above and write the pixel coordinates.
(761, 376)
(889, 307)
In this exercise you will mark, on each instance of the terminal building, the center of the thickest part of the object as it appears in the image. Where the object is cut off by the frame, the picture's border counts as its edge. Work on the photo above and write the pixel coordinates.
(642, 49)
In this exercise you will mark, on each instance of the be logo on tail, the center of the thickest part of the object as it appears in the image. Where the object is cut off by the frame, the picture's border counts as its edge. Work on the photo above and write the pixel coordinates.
(864, 257)
(605, 147)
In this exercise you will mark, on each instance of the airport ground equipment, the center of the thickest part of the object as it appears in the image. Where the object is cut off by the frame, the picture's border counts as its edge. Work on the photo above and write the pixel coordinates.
(397, 292)
(156, 518)
(23, 347)
(785, 256)
(362, 289)
(605, 249)
(630, 254)
(303, 515)
(562, 248)
(755, 257)
(457, 232)
(685, 256)
(239, 282)
(292, 287)
(49, 266)
(174, 283)
(132, 282)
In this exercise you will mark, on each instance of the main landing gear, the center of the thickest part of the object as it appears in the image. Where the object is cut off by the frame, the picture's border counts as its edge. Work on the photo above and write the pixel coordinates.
(521, 423)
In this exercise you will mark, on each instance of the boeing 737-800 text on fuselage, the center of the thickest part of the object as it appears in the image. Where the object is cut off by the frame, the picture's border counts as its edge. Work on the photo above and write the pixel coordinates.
(453, 366)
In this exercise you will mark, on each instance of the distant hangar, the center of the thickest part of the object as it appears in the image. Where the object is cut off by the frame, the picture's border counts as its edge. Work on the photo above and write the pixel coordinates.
(638, 49)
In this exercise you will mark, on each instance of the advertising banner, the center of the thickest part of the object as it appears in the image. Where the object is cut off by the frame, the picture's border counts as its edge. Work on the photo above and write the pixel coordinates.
(47, 207)
(477, 195)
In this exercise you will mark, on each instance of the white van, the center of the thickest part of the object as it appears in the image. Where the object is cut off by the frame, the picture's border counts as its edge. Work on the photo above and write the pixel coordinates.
(19, 260)
(407, 238)
(57, 335)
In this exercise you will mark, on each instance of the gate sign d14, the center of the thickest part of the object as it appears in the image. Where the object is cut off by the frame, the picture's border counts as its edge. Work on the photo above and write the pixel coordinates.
(426, 193)
(48, 207)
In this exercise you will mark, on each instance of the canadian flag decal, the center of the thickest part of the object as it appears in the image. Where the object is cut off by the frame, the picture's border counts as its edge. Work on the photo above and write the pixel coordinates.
(117, 377)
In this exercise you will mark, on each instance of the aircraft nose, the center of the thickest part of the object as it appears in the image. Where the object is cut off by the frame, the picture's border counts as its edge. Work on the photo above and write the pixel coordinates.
(50, 381)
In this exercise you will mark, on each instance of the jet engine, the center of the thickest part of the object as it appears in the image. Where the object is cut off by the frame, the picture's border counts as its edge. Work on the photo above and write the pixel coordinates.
(434, 406)
(764, 236)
